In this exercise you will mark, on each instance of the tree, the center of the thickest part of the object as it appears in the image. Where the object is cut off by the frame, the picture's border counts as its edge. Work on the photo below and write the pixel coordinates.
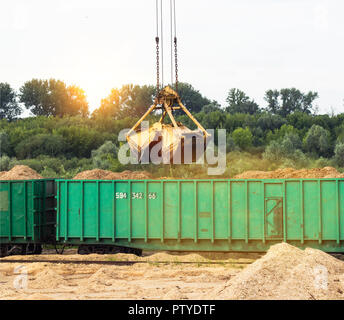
(317, 141)
(239, 102)
(213, 120)
(53, 98)
(41, 144)
(242, 137)
(272, 98)
(4, 163)
(268, 121)
(129, 101)
(279, 134)
(103, 156)
(230, 144)
(9, 107)
(300, 120)
(339, 154)
(339, 132)
(137, 99)
(192, 98)
(212, 107)
(291, 142)
(81, 140)
(287, 101)
(288, 146)
(77, 101)
(133, 101)
(5, 147)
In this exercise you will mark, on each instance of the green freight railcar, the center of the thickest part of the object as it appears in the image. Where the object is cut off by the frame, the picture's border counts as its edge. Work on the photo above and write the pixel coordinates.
(202, 215)
(27, 214)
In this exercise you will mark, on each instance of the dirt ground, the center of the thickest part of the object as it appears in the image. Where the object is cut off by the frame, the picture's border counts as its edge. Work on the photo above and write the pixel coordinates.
(152, 280)
(284, 272)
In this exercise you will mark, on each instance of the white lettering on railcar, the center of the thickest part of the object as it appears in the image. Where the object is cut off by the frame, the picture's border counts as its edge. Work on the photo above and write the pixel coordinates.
(136, 195)
(121, 195)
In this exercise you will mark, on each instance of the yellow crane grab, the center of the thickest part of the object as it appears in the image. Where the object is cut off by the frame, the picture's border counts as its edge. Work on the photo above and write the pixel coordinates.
(177, 142)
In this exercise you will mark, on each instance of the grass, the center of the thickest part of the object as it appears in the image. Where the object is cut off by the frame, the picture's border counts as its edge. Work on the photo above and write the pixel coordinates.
(238, 162)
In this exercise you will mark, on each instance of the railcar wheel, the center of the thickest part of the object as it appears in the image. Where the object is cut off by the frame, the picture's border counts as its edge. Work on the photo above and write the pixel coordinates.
(84, 250)
(137, 252)
(37, 249)
(33, 248)
(3, 251)
(29, 248)
(16, 250)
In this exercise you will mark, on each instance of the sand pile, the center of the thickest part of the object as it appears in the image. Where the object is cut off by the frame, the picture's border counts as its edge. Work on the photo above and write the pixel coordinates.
(289, 173)
(103, 276)
(95, 174)
(46, 279)
(98, 174)
(20, 172)
(287, 272)
(127, 175)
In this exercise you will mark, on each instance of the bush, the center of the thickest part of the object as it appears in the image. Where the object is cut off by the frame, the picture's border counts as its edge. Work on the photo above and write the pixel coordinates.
(81, 140)
(230, 144)
(339, 154)
(49, 173)
(242, 138)
(317, 141)
(4, 163)
(288, 147)
(41, 144)
(5, 147)
(103, 156)
(268, 121)
(280, 133)
(273, 151)
(323, 162)
(291, 142)
(296, 160)
(55, 167)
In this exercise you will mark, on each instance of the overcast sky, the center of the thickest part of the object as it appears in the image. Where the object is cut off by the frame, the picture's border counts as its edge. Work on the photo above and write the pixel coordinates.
(253, 45)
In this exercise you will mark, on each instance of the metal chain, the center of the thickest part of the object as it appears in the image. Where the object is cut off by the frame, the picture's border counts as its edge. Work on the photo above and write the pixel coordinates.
(157, 66)
(157, 40)
(175, 44)
(157, 49)
(176, 61)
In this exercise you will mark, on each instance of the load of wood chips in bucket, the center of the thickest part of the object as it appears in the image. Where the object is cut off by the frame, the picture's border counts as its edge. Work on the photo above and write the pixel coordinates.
(165, 142)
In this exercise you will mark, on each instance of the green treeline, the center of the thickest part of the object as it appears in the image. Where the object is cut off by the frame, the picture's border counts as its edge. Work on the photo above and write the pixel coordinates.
(62, 137)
